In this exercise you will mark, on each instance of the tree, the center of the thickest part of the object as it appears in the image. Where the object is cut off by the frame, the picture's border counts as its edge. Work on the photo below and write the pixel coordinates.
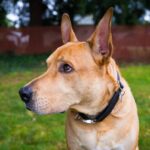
(125, 12)
(3, 20)
(59, 7)
(36, 8)
(49, 12)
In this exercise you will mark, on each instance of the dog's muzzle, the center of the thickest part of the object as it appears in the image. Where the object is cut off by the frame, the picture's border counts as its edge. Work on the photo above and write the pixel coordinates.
(26, 94)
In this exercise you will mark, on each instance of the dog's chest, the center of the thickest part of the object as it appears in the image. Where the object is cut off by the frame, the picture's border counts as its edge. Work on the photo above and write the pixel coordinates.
(91, 140)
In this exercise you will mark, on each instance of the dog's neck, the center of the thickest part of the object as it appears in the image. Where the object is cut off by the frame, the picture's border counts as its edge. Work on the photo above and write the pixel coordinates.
(106, 111)
(112, 71)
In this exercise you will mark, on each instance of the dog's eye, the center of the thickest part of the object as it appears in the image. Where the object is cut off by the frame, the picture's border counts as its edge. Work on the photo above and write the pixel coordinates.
(65, 68)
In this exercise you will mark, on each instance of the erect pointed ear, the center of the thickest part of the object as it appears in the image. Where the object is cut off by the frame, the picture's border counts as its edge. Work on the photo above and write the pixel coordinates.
(101, 39)
(66, 29)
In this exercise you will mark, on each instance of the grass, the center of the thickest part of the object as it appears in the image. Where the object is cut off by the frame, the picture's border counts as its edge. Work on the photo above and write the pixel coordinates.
(23, 130)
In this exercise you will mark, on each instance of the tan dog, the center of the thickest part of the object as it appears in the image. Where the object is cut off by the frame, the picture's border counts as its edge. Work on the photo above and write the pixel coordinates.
(84, 80)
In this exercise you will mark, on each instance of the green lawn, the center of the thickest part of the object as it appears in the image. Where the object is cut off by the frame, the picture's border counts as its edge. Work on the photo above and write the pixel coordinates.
(23, 130)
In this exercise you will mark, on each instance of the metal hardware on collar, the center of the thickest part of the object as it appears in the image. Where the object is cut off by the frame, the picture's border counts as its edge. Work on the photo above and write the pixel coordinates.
(79, 116)
(90, 119)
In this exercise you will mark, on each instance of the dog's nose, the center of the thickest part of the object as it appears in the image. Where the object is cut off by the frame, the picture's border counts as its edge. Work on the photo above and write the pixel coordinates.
(25, 93)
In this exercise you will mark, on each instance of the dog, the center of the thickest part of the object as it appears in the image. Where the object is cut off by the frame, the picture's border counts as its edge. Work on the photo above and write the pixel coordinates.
(83, 79)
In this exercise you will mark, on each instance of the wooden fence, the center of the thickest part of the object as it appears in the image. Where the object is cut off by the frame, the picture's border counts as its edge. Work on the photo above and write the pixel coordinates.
(131, 43)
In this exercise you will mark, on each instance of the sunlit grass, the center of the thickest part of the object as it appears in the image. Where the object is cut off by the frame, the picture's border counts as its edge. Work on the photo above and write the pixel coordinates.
(139, 79)
(23, 130)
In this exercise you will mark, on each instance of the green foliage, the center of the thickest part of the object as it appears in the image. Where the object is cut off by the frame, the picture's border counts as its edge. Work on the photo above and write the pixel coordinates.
(128, 12)
(125, 12)
(3, 20)
(23, 130)
(70, 6)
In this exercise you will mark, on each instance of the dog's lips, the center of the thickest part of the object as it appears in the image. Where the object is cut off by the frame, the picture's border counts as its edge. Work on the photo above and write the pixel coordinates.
(28, 107)
(31, 109)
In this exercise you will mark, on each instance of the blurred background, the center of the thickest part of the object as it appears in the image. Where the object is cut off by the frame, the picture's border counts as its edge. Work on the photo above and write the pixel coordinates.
(32, 27)
(30, 32)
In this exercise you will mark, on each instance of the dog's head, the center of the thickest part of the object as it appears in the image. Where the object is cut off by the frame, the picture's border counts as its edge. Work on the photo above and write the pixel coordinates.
(77, 75)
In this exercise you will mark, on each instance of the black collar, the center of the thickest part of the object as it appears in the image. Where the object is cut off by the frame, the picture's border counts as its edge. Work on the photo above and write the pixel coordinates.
(107, 110)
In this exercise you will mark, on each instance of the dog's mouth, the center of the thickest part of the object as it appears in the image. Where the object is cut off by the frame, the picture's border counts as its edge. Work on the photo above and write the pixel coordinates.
(27, 107)
(31, 107)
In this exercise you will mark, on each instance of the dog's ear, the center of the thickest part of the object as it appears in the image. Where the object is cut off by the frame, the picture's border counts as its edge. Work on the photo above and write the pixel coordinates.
(67, 32)
(101, 39)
